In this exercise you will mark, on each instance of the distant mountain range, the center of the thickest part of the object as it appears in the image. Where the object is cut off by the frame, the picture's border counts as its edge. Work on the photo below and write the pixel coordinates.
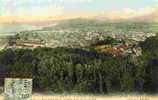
(114, 17)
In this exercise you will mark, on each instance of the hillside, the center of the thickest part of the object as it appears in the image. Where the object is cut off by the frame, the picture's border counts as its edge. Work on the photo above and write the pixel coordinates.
(83, 32)
(84, 56)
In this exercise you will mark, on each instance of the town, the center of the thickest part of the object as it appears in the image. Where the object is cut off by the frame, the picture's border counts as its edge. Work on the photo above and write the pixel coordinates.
(121, 44)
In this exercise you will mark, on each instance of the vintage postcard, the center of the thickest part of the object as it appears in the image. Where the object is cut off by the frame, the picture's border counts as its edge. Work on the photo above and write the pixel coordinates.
(78, 49)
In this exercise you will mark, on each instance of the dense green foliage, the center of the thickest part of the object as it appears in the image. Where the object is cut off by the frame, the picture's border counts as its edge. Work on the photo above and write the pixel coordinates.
(150, 62)
(75, 70)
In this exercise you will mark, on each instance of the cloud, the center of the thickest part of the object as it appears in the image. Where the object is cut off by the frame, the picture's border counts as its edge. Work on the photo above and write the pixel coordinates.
(40, 1)
(35, 7)
(33, 11)
(131, 11)
(30, 8)
(156, 2)
(58, 7)
(76, 1)
(38, 11)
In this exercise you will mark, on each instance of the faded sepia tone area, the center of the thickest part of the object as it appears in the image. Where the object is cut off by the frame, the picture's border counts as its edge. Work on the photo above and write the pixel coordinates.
(105, 48)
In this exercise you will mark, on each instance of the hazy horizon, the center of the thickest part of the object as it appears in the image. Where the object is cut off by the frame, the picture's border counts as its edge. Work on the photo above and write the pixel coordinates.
(32, 11)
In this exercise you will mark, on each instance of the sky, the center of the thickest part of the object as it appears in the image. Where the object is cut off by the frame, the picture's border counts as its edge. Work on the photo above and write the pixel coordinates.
(60, 7)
